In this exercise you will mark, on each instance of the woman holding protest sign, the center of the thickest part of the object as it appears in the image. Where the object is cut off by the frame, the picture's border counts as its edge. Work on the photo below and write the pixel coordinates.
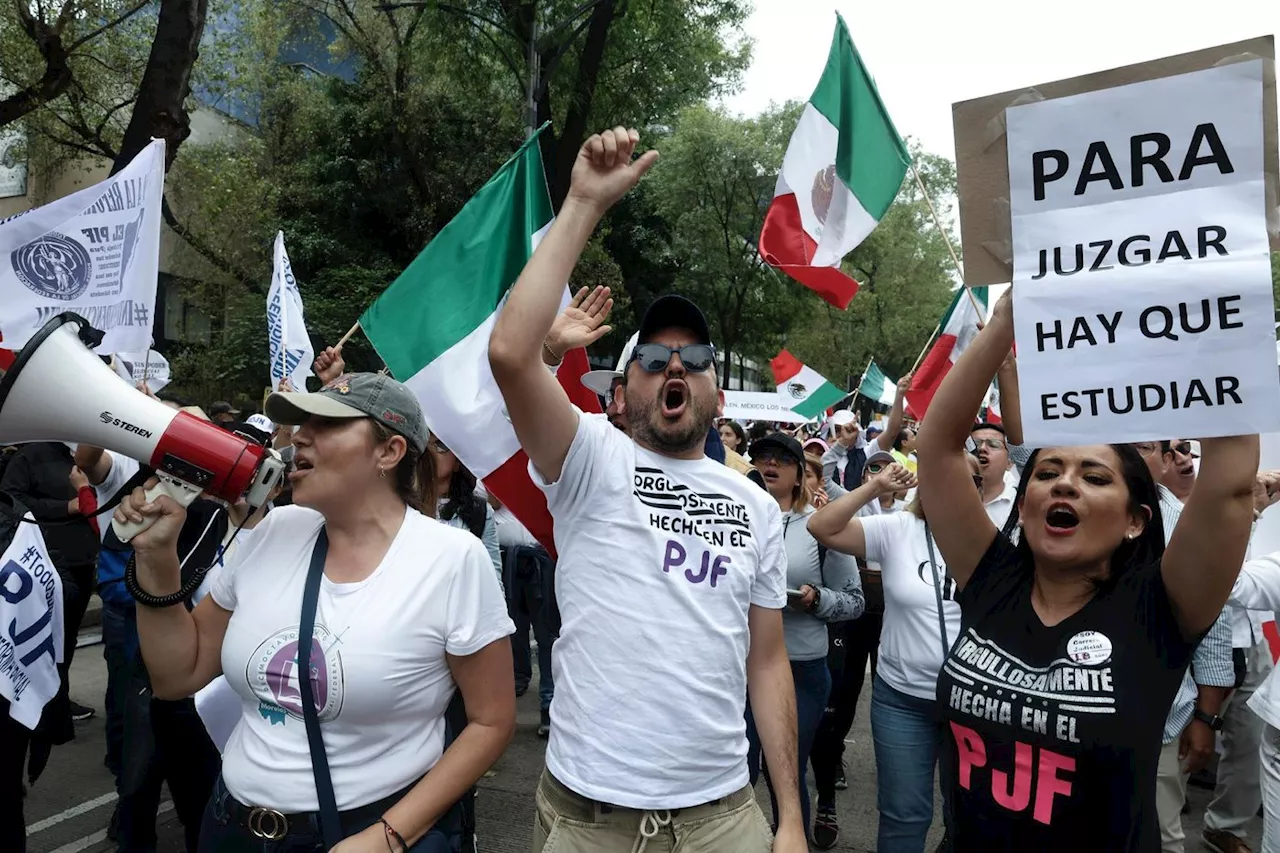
(1074, 640)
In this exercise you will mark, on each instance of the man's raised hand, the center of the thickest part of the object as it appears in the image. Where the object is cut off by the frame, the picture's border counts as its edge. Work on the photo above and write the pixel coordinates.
(604, 172)
(582, 322)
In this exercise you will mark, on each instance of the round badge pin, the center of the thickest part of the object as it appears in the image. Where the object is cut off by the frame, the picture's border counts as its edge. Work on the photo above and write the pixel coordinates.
(1089, 648)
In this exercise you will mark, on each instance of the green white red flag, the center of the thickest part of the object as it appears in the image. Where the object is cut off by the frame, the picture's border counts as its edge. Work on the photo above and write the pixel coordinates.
(803, 390)
(432, 327)
(956, 330)
(843, 168)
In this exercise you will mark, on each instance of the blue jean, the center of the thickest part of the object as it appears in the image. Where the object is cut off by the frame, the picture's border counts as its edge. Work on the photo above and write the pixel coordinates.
(907, 733)
(813, 685)
(529, 577)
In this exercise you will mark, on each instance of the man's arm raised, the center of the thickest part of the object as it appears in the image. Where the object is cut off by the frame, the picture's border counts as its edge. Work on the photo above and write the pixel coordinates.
(544, 420)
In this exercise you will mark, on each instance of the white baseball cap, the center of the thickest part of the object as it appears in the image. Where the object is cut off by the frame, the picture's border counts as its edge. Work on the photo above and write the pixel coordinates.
(600, 381)
(843, 417)
(261, 422)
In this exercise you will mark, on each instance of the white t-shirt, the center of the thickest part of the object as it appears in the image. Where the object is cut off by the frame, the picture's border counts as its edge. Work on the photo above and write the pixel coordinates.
(910, 642)
(383, 681)
(659, 562)
(122, 468)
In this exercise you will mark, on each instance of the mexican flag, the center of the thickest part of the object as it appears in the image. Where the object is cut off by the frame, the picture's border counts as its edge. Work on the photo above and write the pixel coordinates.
(957, 328)
(876, 386)
(842, 170)
(803, 390)
(432, 326)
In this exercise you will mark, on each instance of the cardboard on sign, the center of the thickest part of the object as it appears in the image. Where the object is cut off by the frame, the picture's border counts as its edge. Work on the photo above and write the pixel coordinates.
(982, 163)
(1141, 281)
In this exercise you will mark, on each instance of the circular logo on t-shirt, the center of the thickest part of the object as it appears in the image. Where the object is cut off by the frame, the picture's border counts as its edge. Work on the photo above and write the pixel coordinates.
(272, 674)
(1089, 648)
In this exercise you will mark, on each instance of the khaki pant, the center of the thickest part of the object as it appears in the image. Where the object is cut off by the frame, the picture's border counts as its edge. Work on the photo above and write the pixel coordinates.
(1171, 793)
(568, 823)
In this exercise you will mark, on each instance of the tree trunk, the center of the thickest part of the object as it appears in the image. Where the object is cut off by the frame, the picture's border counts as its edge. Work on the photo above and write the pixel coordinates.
(560, 151)
(55, 80)
(160, 111)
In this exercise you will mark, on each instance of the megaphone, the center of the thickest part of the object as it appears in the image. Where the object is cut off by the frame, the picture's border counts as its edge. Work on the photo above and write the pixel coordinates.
(59, 390)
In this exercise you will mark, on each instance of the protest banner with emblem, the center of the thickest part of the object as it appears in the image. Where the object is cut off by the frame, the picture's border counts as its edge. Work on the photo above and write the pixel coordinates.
(150, 367)
(288, 343)
(95, 252)
(31, 611)
(1142, 280)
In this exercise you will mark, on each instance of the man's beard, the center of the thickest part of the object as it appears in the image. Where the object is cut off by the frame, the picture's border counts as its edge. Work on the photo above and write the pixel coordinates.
(645, 419)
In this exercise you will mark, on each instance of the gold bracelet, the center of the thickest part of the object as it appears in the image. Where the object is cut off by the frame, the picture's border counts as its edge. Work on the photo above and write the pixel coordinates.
(551, 352)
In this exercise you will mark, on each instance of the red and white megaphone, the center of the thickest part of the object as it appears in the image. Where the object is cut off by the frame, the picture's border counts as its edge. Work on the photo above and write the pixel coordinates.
(59, 390)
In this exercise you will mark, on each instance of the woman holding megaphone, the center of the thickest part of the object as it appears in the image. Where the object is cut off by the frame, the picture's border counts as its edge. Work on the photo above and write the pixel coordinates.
(392, 611)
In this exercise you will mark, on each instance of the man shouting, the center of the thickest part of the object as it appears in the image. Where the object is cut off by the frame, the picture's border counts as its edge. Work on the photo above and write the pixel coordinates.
(671, 567)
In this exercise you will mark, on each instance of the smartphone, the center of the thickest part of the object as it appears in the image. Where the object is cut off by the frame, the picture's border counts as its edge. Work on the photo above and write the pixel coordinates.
(794, 593)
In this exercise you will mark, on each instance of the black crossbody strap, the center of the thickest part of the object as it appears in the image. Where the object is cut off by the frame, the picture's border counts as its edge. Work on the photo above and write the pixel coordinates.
(329, 823)
(938, 581)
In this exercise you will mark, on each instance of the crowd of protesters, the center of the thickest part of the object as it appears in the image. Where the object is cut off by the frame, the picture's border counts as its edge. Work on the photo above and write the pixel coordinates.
(1055, 637)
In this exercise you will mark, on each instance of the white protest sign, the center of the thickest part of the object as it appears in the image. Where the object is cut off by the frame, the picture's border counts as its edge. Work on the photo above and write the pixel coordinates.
(288, 343)
(95, 252)
(1142, 283)
(151, 367)
(31, 613)
(759, 406)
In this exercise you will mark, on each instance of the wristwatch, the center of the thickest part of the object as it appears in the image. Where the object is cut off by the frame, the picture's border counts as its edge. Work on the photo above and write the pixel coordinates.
(1213, 721)
(817, 597)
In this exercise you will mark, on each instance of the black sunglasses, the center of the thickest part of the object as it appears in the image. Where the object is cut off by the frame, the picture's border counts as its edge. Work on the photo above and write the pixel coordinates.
(654, 358)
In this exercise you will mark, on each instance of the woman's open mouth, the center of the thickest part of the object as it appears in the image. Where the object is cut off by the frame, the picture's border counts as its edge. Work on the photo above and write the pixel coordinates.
(300, 468)
(675, 396)
(1061, 520)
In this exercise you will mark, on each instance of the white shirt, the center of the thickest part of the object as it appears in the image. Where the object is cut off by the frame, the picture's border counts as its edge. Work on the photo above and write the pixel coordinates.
(383, 681)
(999, 508)
(510, 530)
(122, 468)
(660, 560)
(911, 641)
(1257, 587)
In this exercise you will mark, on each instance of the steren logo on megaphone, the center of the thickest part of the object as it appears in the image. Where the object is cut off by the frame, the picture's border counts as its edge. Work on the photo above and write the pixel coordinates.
(111, 420)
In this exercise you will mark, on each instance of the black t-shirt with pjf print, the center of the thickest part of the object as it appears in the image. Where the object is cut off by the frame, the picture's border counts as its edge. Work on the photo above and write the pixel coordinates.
(1053, 733)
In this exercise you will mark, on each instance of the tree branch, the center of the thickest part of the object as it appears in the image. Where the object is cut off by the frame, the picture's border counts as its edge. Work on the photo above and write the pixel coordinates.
(206, 251)
(109, 25)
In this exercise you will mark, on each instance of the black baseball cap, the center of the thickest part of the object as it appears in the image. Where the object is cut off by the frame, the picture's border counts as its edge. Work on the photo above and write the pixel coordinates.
(778, 441)
(222, 407)
(674, 311)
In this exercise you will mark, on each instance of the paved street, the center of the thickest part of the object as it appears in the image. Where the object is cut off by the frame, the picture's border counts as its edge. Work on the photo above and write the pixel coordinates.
(67, 812)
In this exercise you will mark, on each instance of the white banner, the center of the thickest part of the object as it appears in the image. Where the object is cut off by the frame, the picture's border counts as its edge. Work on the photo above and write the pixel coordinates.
(1142, 283)
(95, 252)
(288, 342)
(150, 366)
(31, 613)
(759, 406)
(13, 161)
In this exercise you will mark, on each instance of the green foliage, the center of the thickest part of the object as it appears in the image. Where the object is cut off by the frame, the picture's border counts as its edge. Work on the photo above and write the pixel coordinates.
(361, 174)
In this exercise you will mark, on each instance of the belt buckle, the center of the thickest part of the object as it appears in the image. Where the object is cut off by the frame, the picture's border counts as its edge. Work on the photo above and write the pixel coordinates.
(267, 824)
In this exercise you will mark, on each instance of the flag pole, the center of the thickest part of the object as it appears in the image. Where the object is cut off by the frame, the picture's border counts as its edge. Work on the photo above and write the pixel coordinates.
(955, 259)
(927, 344)
(858, 388)
(347, 336)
